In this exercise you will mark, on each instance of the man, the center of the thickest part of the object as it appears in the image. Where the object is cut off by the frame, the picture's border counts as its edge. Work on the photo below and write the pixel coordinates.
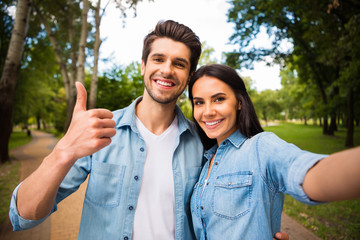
(142, 161)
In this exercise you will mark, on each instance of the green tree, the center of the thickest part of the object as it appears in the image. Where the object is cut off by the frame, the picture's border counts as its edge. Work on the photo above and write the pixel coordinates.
(38, 82)
(6, 24)
(320, 33)
(206, 56)
(119, 87)
(267, 105)
(10, 73)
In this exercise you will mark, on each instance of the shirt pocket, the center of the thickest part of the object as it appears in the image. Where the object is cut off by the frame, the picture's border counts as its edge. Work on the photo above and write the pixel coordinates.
(232, 195)
(105, 183)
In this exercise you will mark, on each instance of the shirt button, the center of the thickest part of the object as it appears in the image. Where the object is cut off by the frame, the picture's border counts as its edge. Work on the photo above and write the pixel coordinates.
(216, 163)
(207, 183)
(141, 149)
(126, 238)
(202, 208)
(229, 183)
(131, 208)
(136, 178)
(224, 143)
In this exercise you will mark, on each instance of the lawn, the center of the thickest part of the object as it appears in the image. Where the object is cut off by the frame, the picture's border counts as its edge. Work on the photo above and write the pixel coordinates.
(9, 174)
(337, 220)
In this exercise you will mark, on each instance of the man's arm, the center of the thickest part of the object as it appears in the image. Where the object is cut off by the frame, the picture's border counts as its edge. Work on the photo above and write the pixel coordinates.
(88, 132)
(335, 178)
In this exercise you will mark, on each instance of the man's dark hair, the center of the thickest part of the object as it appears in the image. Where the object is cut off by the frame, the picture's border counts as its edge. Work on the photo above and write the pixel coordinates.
(177, 32)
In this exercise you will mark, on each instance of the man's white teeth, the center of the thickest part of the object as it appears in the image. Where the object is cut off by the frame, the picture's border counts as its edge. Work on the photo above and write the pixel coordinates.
(166, 84)
(212, 123)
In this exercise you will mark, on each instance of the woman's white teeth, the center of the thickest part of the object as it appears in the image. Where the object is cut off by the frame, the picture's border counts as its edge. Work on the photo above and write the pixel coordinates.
(167, 84)
(212, 123)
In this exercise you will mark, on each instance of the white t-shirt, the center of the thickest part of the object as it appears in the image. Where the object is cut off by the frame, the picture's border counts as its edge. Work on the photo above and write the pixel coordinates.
(155, 212)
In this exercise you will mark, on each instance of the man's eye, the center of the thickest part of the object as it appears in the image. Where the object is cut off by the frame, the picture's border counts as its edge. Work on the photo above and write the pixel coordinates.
(157, 59)
(180, 65)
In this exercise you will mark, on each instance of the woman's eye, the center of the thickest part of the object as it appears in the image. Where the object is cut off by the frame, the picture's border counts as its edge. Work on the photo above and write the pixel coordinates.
(198, 103)
(219, 99)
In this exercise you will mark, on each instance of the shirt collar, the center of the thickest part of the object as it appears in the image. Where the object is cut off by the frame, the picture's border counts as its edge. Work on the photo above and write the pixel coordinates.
(236, 139)
(128, 118)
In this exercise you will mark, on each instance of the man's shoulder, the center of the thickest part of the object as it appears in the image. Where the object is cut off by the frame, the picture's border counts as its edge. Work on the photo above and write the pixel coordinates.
(119, 113)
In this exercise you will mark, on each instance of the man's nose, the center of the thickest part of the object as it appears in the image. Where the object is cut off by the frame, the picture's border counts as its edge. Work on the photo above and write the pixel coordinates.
(166, 69)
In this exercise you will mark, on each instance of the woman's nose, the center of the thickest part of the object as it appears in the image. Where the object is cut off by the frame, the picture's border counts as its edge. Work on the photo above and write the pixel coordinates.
(209, 110)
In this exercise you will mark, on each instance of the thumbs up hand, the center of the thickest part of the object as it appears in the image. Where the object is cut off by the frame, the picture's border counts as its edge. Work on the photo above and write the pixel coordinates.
(89, 130)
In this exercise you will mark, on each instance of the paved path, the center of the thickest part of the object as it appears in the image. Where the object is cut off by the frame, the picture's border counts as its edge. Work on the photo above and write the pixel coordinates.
(64, 224)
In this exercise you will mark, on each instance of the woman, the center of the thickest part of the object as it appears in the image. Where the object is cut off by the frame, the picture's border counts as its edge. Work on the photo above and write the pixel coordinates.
(241, 188)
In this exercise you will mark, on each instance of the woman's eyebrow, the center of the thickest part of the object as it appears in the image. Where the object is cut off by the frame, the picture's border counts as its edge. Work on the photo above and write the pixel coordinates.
(218, 94)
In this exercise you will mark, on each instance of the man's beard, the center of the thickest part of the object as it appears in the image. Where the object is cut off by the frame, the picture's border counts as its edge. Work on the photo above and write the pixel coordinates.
(167, 100)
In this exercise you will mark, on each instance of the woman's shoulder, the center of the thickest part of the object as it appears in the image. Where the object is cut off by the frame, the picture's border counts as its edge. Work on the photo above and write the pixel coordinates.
(265, 137)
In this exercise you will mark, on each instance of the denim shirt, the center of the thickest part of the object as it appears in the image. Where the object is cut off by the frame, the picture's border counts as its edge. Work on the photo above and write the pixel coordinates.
(244, 194)
(115, 177)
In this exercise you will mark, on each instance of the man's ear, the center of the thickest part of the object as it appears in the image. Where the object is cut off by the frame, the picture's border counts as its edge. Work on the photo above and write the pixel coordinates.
(142, 68)
(190, 76)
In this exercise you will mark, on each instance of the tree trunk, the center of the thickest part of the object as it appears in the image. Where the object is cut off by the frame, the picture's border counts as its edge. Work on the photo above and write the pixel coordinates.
(94, 78)
(349, 142)
(10, 74)
(333, 126)
(80, 73)
(325, 125)
(38, 122)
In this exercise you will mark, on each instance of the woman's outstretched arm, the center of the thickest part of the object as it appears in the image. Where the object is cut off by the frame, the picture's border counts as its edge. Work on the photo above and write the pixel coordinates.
(335, 178)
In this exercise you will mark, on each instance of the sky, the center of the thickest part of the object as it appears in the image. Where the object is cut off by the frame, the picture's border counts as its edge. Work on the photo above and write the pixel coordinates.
(122, 42)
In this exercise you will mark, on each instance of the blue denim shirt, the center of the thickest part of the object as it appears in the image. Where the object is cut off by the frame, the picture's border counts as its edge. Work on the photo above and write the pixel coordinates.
(243, 197)
(114, 181)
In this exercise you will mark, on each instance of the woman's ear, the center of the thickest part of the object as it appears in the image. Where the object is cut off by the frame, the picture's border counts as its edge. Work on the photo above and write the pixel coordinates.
(239, 105)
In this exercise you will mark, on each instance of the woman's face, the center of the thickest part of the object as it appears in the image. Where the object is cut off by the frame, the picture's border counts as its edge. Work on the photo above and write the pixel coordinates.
(215, 107)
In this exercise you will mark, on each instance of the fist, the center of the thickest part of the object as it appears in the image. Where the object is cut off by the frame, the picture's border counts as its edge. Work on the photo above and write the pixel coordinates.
(89, 130)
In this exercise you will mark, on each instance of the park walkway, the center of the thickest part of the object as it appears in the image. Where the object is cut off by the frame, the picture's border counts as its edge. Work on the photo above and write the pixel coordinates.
(64, 223)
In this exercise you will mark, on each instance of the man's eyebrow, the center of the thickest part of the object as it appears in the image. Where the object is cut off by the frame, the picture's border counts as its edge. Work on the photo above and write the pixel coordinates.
(157, 55)
(183, 60)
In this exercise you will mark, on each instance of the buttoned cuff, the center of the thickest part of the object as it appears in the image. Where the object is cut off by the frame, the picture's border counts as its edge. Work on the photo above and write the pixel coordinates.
(16, 220)
(297, 174)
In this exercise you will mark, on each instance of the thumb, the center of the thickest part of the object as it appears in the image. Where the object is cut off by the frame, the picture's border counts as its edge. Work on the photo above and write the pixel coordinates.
(80, 104)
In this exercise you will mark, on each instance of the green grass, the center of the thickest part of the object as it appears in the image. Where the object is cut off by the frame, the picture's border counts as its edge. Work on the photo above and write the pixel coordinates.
(18, 139)
(9, 174)
(336, 220)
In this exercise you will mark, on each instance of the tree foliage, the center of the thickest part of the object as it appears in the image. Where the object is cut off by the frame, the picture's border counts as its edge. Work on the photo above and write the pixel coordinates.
(325, 38)
(120, 86)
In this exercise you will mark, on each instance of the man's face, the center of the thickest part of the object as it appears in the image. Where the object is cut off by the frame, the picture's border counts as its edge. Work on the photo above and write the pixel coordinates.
(166, 72)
